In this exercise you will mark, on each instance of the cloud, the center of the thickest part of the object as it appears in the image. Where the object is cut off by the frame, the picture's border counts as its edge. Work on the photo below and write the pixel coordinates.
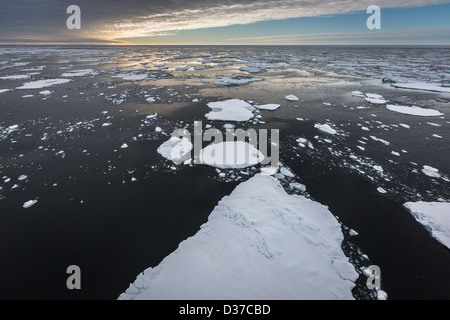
(113, 19)
(367, 37)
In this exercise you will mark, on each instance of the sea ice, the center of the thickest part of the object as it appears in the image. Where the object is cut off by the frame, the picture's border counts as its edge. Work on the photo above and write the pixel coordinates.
(259, 243)
(375, 98)
(43, 83)
(233, 81)
(29, 204)
(16, 77)
(79, 73)
(176, 149)
(231, 155)
(291, 97)
(132, 77)
(269, 107)
(230, 110)
(4, 90)
(434, 216)
(325, 128)
(414, 111)
(431, 172)
(422, 86)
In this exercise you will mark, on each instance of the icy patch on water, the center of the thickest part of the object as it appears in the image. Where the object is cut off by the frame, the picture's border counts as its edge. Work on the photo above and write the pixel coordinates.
(236, 81)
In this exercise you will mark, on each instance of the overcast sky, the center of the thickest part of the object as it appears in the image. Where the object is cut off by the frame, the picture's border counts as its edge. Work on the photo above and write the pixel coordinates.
(226, 22)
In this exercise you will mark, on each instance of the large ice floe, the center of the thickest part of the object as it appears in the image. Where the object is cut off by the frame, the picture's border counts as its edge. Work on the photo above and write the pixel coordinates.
(434, 216)
(414, 111)
(422, 86)
(259, 243)
(231, 155)
(235, 81)
(43, 83)
(230, 110)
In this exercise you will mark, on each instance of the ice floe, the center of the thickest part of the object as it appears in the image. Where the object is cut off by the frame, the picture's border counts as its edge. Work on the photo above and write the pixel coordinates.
(79, 73)
(231, 155)
(431, 172)
(422, 86)
(259, 243)
(414, 111)
(375, 98)
(268, 106)
(325, 128)
(434, 216)
(236, 81)
(291, 97)
(43, 83)
(29, 204)
(230, 110)
(176, 149)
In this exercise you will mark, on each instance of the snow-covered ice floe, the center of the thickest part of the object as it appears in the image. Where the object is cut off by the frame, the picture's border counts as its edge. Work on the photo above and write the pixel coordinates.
(422, 86)
(270, 107)
(434, 216)
(132, 77)
(291, 97)
(259, 243)
(43, 83)
(375, 98)
(176, 149)
(232, 81)
(79, 73)
(230, 110)
(231, 155)
(414, 111)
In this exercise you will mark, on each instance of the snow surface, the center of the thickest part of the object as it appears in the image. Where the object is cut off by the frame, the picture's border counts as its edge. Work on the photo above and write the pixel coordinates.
(414, 111)
(230, 110)
(176, 149)
(43, 83)
(421, 86)
(231, 155)
(259, 243)
(434, 216)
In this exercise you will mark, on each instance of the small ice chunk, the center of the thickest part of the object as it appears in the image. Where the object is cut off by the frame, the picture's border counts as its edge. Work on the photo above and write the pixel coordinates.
(270, 107)
(176, 149)
(298, 186)
(325, 128)
(431, 172)
(29, 204)
(285, 171)
(124, 146)
(22, 177)
(291, 97)
(381, 190)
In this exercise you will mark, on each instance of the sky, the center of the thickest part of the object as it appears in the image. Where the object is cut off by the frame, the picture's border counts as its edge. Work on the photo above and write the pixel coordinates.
(225, 22)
